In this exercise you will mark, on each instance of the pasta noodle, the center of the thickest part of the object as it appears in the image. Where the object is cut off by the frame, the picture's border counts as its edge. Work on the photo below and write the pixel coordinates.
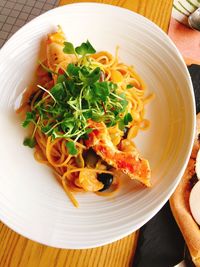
(78, 172)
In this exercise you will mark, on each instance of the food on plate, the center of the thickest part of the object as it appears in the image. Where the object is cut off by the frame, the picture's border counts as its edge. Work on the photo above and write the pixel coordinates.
(185, 202)
(83, 115)
(129, 162)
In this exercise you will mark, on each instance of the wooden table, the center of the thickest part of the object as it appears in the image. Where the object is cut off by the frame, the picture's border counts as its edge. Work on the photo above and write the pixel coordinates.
(17, 251)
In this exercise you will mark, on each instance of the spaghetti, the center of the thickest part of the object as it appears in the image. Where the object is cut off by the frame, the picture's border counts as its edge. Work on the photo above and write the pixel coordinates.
(83, 117)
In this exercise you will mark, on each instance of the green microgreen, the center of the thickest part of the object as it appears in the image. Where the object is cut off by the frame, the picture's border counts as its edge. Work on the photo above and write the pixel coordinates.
(30, 142)
(82, 50)
(61, 78)
(125, 121)
(71, 148)
(85, 48)
(127, 118)
(30, 117)
(69, 48)
(72, 70)
(78, 95)
(129, 86)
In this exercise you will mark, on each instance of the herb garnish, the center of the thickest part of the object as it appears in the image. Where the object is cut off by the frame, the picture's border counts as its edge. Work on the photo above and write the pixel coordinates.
(29, 142)
(83, 49)
(71, 148)
(78, 95)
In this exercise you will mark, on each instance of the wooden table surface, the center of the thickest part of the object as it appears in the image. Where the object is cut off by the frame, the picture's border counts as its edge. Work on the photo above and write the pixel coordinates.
(17, 251)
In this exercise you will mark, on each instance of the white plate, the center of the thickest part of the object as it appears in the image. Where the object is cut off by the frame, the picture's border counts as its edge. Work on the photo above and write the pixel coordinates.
(31, 201)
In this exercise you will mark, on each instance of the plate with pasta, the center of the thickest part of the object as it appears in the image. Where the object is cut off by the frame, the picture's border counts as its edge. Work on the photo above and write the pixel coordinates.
(95, 135)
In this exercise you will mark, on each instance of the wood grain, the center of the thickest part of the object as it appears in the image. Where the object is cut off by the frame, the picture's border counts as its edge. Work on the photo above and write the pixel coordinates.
(159, 11)
(18, 251)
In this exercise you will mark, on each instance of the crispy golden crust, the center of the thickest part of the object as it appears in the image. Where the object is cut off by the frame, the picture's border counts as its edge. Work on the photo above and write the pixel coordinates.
(179, 203)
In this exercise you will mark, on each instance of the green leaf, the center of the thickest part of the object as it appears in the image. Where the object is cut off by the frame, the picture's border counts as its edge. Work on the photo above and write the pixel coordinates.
(129, 86)
(71, 148)
(94, 76)
(85, 48)
(102, 90)
(85, 70)
(30, 117)
(67, 125)
(61, 78)
(30, 142)
(58, 91)
(72, 70)
(91, 77)
(82, 49)
(91, 49)
(127, 118)
(89, 95)
(71, 88)
(68, 48)
(46, 129)
(123, 122)
(87, 114)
